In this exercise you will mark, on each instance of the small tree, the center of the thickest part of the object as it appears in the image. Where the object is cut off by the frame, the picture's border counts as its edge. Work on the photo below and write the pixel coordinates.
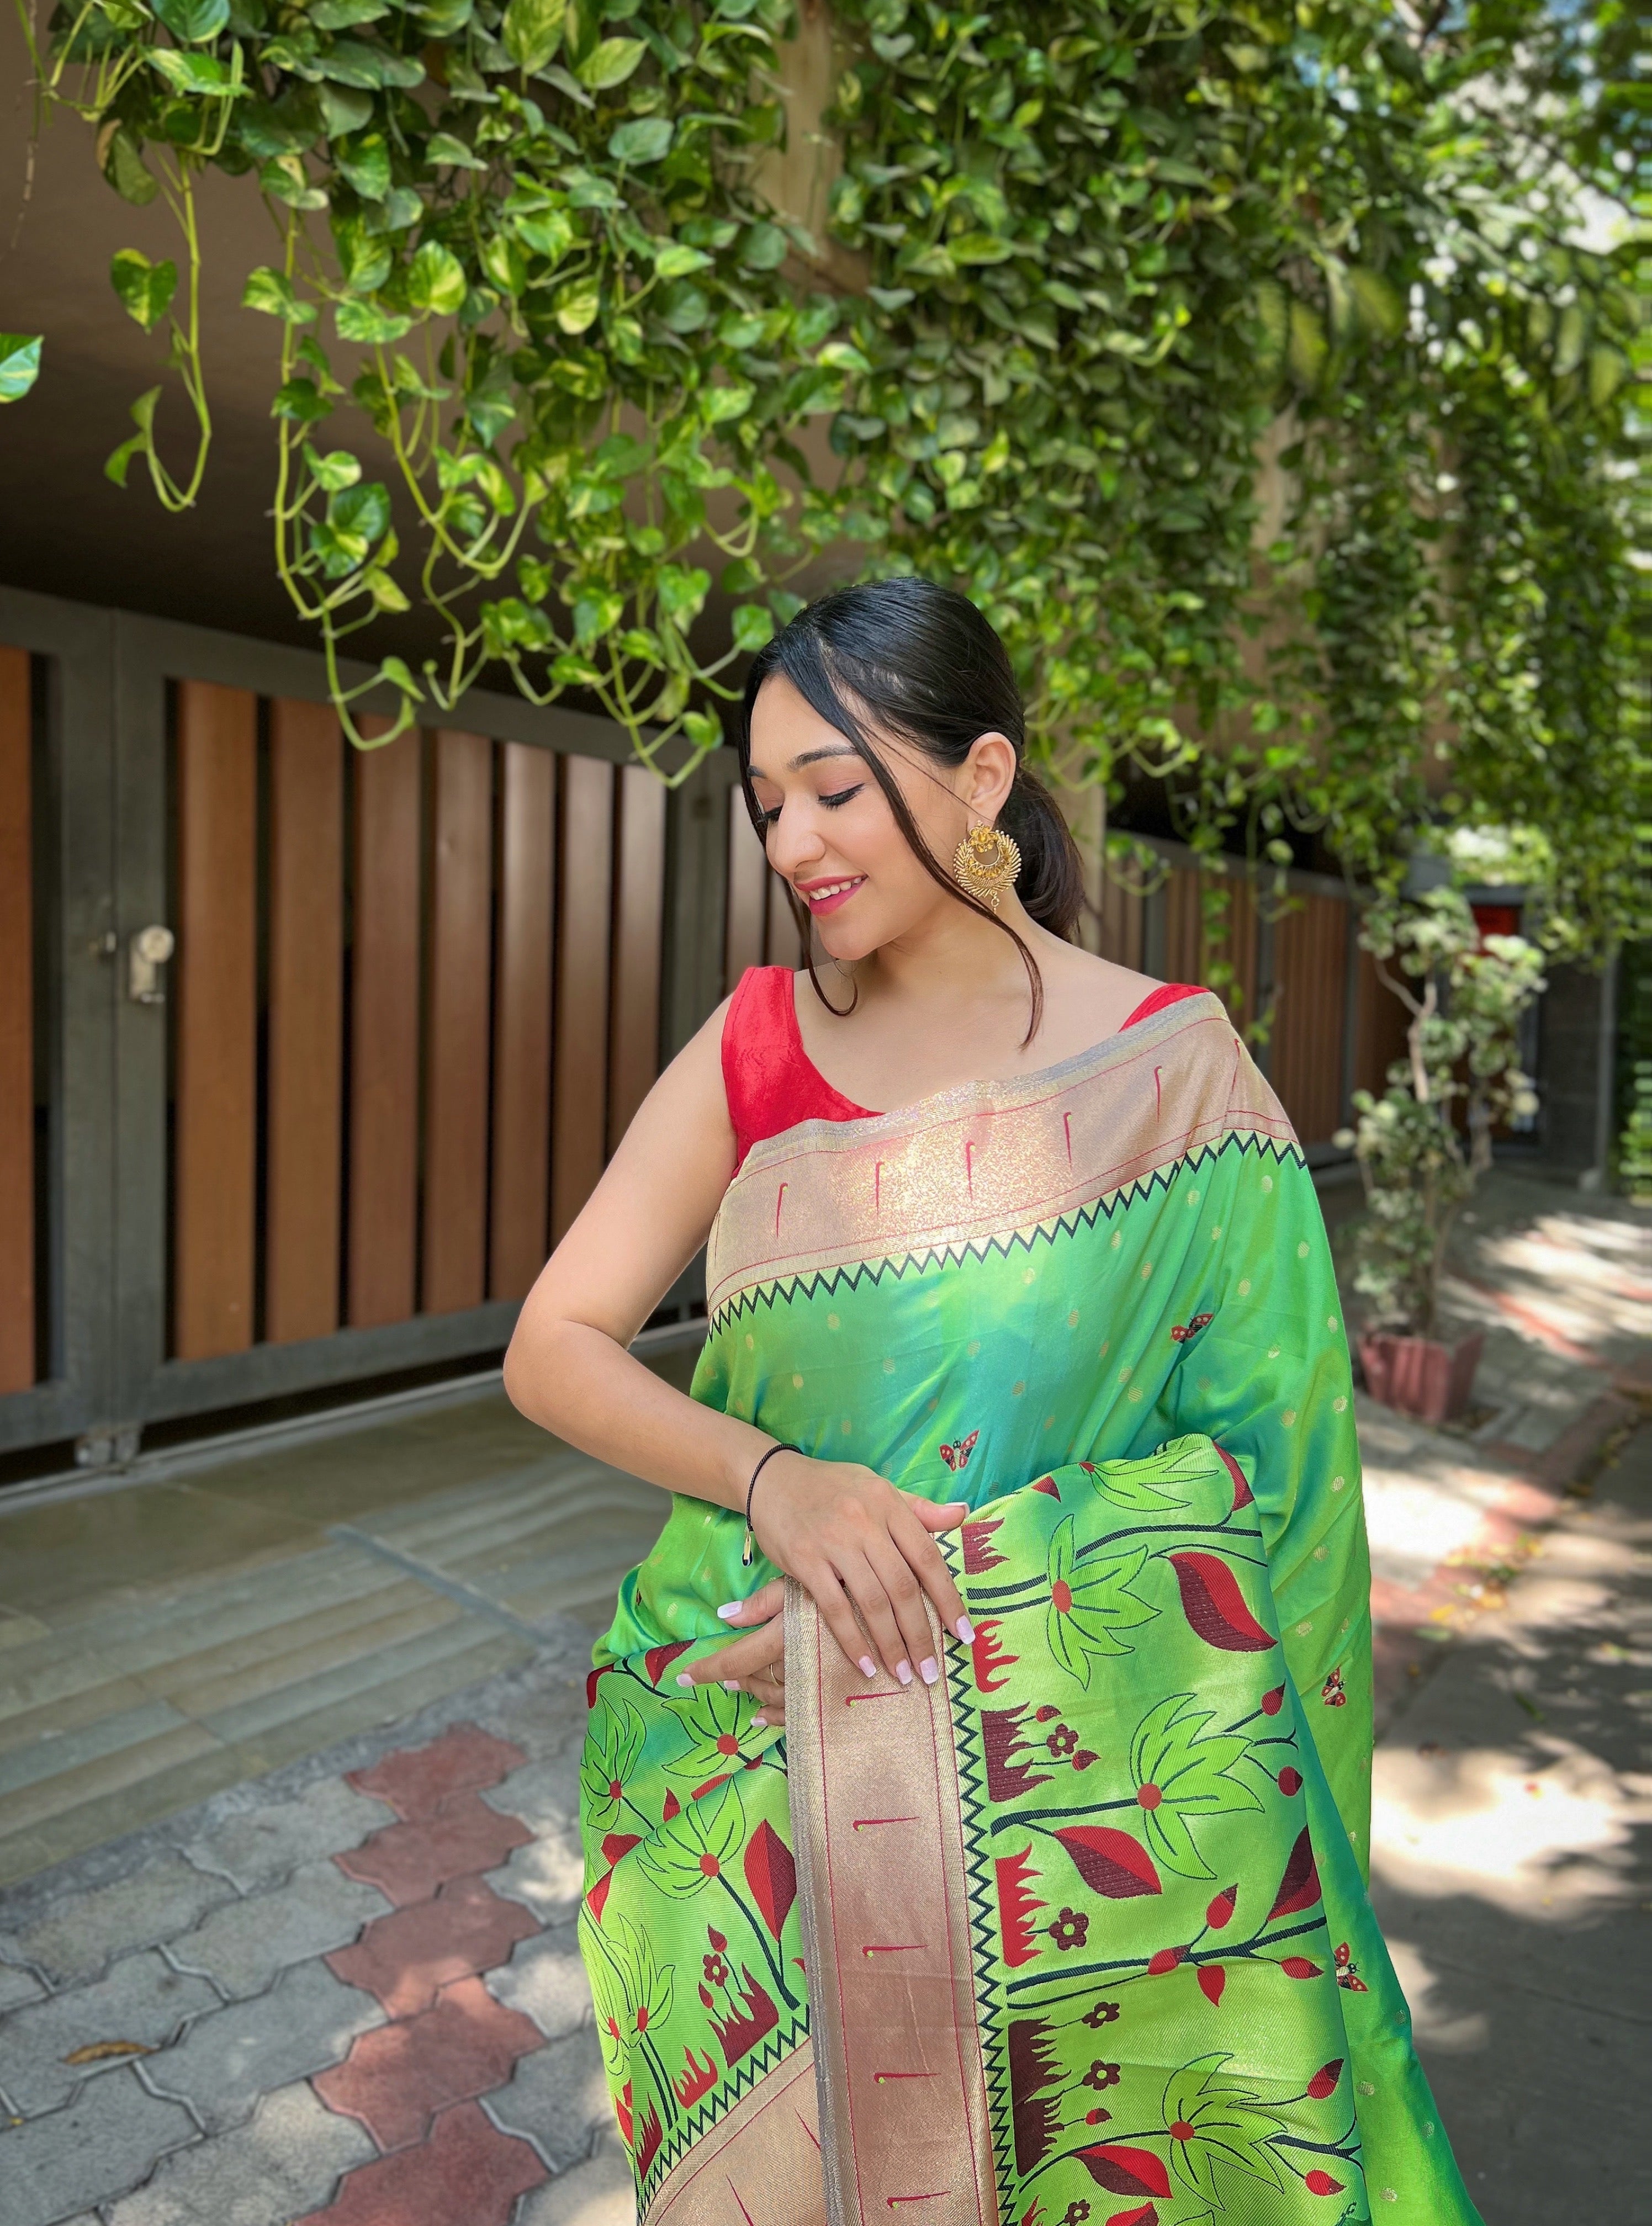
(1466, 995)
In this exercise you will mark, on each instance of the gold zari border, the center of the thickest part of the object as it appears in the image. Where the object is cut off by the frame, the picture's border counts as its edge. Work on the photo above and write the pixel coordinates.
(878, 1836)
(759, 2166)
(988, 1161)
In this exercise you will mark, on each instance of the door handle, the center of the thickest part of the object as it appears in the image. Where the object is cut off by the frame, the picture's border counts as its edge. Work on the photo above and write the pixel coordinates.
(150, 949)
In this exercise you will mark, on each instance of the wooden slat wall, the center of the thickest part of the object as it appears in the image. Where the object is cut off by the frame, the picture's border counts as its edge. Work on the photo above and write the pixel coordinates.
(522, 994)
(385, 1035)
(749, 880)
(304, 1155)
(455, 1236)
(1183, 928)
(1310, 975)
(640, 904)
(17, 1355)
(579, 1124)
(1379, 1022)
(215, 980)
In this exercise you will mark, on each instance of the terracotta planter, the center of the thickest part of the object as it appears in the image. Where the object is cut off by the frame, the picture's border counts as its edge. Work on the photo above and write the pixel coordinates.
(1419, 1375)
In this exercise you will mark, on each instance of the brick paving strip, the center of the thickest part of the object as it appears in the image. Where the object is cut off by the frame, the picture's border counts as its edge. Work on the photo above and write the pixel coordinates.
(358, 2003)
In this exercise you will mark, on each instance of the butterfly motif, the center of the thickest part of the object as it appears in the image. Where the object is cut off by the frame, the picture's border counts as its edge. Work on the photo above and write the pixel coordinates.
(1348, 1972)
(1332, 1692)
(1192, 1329)
(957, 1456)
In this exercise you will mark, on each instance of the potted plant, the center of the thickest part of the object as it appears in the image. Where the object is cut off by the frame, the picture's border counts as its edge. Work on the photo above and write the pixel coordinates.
(1425, 1142)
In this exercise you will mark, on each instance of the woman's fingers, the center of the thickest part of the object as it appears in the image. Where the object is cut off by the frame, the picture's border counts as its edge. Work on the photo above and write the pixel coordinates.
(826, 1584)
(896, 1575)
(733, 1664)
(865, 1587)
(917, 1542)
(767, 1600)
(937, 1515)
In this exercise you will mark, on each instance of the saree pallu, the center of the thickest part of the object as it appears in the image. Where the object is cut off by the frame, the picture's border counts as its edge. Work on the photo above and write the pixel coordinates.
(1080, 1933)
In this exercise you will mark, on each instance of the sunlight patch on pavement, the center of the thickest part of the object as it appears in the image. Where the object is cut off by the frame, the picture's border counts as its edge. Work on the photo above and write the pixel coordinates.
(1552, 1843)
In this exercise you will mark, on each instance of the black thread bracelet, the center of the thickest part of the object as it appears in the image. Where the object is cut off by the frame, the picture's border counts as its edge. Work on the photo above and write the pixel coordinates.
(746, 1550)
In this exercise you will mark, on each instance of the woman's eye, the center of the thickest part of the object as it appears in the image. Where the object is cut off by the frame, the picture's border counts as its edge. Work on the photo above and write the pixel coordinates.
(843, 796)
(768, 819)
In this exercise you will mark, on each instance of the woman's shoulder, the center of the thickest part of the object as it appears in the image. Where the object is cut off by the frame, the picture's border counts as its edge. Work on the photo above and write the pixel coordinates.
(1101, 997)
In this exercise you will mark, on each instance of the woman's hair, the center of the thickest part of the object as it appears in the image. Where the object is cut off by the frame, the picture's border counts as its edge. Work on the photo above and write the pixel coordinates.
(908, 657)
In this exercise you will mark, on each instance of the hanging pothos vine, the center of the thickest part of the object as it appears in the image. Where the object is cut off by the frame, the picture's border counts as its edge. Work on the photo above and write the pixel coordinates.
(1113, 253)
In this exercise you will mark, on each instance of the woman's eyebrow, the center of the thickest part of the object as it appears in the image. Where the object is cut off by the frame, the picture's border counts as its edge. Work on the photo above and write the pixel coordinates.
(828, 750)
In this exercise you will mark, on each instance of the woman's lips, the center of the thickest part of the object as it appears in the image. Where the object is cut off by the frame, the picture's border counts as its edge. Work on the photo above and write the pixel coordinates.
(829, 895)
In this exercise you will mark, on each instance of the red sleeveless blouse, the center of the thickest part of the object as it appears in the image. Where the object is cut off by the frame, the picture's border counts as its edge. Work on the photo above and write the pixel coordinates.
(770, 1081)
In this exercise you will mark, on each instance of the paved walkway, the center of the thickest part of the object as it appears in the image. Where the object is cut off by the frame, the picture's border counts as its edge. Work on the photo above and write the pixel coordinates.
(289, 1795)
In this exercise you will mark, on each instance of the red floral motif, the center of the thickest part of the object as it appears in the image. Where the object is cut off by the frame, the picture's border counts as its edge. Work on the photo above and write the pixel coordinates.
(1070, 1929)
(1290, 1780)
(1242, 1494)
(1298, 1967)
(1325, 2081)
(1110, 1862)
(986, 1656)
(1273, 1702)
(1123, 2170)
(771, 1875)
(1215, 1606)
(1321, 2183)
(696, 2080)
(1212, 1979)
(1001, 1742)
(979, 1555)
(659, 1659)
(1016, 1907)
(1300, 1887)
(1032, 2067)
(622, 2100)
(1221, 1908)
(650, 2134)
(741, 2035)
(1165, 1960)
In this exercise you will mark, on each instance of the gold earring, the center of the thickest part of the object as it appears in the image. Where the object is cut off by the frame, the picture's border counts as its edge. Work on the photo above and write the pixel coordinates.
(986, 863)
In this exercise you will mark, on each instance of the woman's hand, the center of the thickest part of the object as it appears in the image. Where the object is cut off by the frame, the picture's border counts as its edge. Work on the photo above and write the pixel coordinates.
(863, 1549)
(756, 1663)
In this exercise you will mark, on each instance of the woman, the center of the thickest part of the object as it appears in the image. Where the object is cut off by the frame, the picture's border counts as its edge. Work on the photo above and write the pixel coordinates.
(1009, 1863)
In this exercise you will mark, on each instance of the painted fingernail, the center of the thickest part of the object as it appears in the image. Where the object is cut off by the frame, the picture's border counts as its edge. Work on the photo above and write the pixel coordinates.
(927, 1671)
(868, 1667)
(730, 1609)
(684, 1679)
(731, 1685)
(904, 1671)
(965, 1630)
(760, 1723)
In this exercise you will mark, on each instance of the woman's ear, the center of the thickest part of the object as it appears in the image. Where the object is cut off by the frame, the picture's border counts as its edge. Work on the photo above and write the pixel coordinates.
(989, 771)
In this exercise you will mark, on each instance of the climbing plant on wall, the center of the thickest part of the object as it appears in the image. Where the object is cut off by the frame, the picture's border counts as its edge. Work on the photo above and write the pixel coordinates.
(1111, 252)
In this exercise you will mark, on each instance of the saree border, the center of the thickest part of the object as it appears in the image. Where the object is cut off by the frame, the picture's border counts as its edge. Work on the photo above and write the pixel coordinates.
(900, 2073)
(983, 1165)
(768, 2139)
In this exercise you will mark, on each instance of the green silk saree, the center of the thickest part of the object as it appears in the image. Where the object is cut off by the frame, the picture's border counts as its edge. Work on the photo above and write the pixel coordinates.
(1081, 1933)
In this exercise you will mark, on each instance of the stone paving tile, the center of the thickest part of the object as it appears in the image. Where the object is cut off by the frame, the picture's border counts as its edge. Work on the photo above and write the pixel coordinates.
(466, 2171)
(600, 2192)
(288, 2159)
(547, 1875)
(409, 1861)
(142, 1999)
(109, 2138)
(544, 1794)
(545, 1980)
(17, 1986)
(224, 2061)
(259, 1845)
(78, 1932)
(405, 1957)
(545, 1720)
(415, 1781)
(242, 1946)
(557, 2099)
(397, 2079)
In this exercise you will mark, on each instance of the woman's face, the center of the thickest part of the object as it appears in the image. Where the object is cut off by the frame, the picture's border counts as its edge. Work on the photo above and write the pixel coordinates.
(830, 831)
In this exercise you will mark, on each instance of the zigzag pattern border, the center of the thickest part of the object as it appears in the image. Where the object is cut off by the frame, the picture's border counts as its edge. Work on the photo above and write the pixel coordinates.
(762, 2060)
(823, 1282)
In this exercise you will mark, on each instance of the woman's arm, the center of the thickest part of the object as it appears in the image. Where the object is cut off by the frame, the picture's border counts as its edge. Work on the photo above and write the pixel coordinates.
(858, 1544)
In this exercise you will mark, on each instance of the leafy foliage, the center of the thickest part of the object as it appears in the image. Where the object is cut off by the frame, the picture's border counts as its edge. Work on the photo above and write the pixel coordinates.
(1115, 249)
(1465, 995)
